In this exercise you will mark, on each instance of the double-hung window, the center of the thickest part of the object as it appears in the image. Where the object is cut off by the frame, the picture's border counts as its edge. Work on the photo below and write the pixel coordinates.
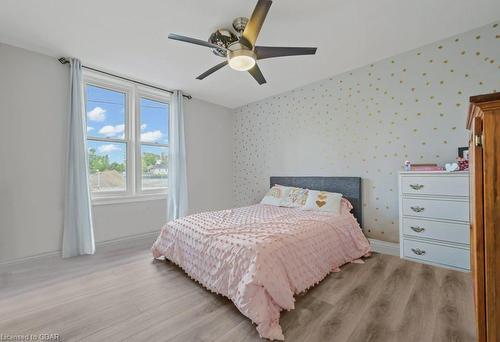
(127, 139)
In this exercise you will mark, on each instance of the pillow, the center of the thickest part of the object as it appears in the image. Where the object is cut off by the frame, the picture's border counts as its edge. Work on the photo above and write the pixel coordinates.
(276, 195)
(323, 201)
(296, 198)
(345, 206)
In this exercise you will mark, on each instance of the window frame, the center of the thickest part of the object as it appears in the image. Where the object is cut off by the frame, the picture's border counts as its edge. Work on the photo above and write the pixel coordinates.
(133, 93)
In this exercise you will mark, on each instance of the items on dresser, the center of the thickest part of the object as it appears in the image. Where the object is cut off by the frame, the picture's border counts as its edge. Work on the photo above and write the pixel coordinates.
(484, 165)
(434, 218)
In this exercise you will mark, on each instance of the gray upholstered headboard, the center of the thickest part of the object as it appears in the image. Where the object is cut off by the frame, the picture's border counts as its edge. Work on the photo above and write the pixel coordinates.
(350, 187)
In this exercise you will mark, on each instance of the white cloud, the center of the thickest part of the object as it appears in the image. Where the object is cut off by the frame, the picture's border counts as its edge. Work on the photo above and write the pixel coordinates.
(111, 131)
(143, 127)
(97, 114)
(108, 148)
(152, 136)
(89, 129)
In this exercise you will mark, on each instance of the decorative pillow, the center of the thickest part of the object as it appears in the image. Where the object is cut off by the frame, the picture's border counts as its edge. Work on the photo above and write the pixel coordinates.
(323, 201)
(345, 206)
(276, 195)
(296, 198)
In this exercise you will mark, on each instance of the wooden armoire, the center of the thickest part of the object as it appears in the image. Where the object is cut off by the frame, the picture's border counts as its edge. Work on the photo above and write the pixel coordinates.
(484, 154)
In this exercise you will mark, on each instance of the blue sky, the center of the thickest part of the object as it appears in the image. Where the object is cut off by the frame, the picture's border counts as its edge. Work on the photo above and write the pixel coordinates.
(106, 118)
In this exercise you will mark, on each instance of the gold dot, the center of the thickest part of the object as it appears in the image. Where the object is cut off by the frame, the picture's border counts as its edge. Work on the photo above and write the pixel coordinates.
(458, 104)
(441, 82)
(424, 73)
(441, 114)
(478, 37)
(463, 52)
(459, 92)
(430, 60)
(439, 103)
(392, 62)
(419, 53)
(451, 70)
(445, 142)
(453, 128)
(478, 53)
(495, 25)
(456, 39)
(445, 61)
(440, 47)
(492, 61)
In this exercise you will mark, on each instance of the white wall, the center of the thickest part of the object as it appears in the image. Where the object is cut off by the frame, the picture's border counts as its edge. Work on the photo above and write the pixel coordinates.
(33, 110)
(367, 122)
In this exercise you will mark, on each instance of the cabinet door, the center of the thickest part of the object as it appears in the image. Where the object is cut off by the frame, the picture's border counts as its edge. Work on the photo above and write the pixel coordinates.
(477, 226)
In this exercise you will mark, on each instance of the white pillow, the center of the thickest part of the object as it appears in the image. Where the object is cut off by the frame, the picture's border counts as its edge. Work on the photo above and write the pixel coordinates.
(296, 198)
(276, 195)
(323, 201)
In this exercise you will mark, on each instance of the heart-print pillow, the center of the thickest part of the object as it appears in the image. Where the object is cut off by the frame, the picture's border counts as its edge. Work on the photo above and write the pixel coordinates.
(323, 201)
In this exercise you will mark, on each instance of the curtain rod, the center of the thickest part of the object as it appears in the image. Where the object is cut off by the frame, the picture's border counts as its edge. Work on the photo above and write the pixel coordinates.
(64, 60)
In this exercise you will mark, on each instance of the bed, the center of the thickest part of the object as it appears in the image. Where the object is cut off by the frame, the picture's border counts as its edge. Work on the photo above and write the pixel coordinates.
(260, 256)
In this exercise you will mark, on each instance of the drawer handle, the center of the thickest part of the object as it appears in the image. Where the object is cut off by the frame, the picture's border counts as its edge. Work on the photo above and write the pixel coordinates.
(417, 209)
(417, 229)
(418, 251)
(416, 186)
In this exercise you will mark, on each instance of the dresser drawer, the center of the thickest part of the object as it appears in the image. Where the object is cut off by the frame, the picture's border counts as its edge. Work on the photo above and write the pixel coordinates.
(438, 209)
(435, 253)
(445, 231)
(438, 185)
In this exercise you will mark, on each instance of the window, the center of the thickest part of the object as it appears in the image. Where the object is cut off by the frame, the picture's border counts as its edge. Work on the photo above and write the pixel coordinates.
(127, 138)
(154, 143)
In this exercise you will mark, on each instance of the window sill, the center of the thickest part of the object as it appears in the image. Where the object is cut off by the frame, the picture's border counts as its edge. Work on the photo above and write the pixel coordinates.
(128, 199)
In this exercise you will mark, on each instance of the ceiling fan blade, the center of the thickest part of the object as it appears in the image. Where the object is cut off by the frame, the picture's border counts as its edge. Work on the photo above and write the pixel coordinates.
(194, 41)
(275, 51)
(255, 23)
(211, 70)
(257, 74)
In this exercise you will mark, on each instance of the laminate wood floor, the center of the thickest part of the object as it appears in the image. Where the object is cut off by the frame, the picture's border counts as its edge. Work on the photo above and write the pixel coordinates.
(121, 294)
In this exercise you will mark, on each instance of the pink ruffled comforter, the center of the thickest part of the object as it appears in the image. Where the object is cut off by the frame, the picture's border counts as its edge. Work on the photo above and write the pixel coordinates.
(260, 256)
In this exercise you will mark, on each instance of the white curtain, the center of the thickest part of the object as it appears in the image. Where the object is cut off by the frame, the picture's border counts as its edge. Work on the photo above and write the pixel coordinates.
(177, 201)
(78, 235)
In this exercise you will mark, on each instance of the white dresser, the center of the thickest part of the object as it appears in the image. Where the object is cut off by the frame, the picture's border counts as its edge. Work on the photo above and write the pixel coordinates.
(434, 218)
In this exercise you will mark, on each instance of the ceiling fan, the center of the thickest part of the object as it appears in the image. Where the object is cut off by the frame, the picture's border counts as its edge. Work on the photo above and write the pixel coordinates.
(239, 49)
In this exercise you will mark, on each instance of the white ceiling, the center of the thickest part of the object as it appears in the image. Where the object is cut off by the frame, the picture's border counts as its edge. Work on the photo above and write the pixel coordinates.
(129, 37)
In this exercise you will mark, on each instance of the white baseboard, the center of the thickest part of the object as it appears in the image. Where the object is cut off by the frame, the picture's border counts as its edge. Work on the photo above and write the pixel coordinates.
(98, 245)
(384, 247)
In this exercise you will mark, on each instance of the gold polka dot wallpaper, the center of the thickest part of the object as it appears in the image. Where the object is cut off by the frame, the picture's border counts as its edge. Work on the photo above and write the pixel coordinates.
(367, 122)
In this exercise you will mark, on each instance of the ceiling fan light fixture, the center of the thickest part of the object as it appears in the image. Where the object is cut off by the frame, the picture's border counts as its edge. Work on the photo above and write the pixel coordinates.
(241, 60)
